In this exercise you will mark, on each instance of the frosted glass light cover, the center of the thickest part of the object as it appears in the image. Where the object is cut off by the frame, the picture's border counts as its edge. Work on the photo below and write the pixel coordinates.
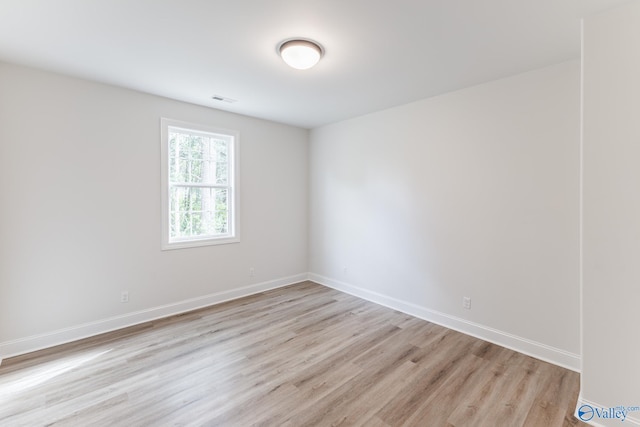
(300, 54)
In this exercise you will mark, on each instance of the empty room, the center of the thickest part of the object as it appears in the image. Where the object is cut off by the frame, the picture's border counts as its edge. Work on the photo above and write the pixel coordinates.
(319, 213)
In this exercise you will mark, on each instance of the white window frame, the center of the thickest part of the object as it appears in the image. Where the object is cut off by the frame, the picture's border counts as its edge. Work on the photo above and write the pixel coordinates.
(233, 235)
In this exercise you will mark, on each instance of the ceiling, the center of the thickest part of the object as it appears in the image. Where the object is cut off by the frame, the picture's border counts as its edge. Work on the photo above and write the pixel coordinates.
(379, 53)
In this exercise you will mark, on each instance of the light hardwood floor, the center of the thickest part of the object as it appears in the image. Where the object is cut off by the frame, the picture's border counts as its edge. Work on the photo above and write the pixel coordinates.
(303, 355)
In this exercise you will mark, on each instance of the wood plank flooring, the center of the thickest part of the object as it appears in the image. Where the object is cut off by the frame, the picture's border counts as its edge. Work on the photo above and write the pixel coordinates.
(303, 355)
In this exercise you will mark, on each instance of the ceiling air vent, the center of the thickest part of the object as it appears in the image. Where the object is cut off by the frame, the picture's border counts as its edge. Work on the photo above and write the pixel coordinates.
(223, 99)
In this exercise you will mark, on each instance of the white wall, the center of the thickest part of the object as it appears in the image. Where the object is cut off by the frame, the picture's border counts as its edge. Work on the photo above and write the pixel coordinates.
(473, 193)
(80, 210)
(611, 210)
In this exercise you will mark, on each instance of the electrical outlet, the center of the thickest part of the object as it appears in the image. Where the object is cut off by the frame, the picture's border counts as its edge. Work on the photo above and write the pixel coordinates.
(466, 303)
(252, 272)
(124, 296)
(344, 270)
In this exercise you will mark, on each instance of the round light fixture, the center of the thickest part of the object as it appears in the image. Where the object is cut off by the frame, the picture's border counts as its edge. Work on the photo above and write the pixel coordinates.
(300, 54)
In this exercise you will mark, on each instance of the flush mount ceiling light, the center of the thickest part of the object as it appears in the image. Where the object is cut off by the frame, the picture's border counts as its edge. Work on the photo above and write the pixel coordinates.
(300, 54)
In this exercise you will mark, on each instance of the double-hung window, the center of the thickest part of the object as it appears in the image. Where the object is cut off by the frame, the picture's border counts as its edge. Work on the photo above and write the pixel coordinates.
(199, 185)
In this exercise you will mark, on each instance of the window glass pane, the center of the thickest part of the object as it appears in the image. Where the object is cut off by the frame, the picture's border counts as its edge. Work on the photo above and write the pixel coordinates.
(197, 172)
(221, 172)
(173, 223)
(197, 212)
(198, 159)
(195, 146)
(182, 172)
(222, 162)
(183, 146)
(174, 154)
(221, 211)
(184, 225)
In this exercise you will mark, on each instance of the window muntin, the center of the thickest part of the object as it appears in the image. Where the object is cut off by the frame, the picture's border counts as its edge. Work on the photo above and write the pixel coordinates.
(199, 191)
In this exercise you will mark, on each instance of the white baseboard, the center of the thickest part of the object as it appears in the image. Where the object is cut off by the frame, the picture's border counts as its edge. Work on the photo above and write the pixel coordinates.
(74, 333)
(631, 418)
(522, 345)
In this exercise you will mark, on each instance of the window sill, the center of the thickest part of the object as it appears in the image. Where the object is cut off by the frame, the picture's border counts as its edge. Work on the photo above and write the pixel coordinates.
(199, 243)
